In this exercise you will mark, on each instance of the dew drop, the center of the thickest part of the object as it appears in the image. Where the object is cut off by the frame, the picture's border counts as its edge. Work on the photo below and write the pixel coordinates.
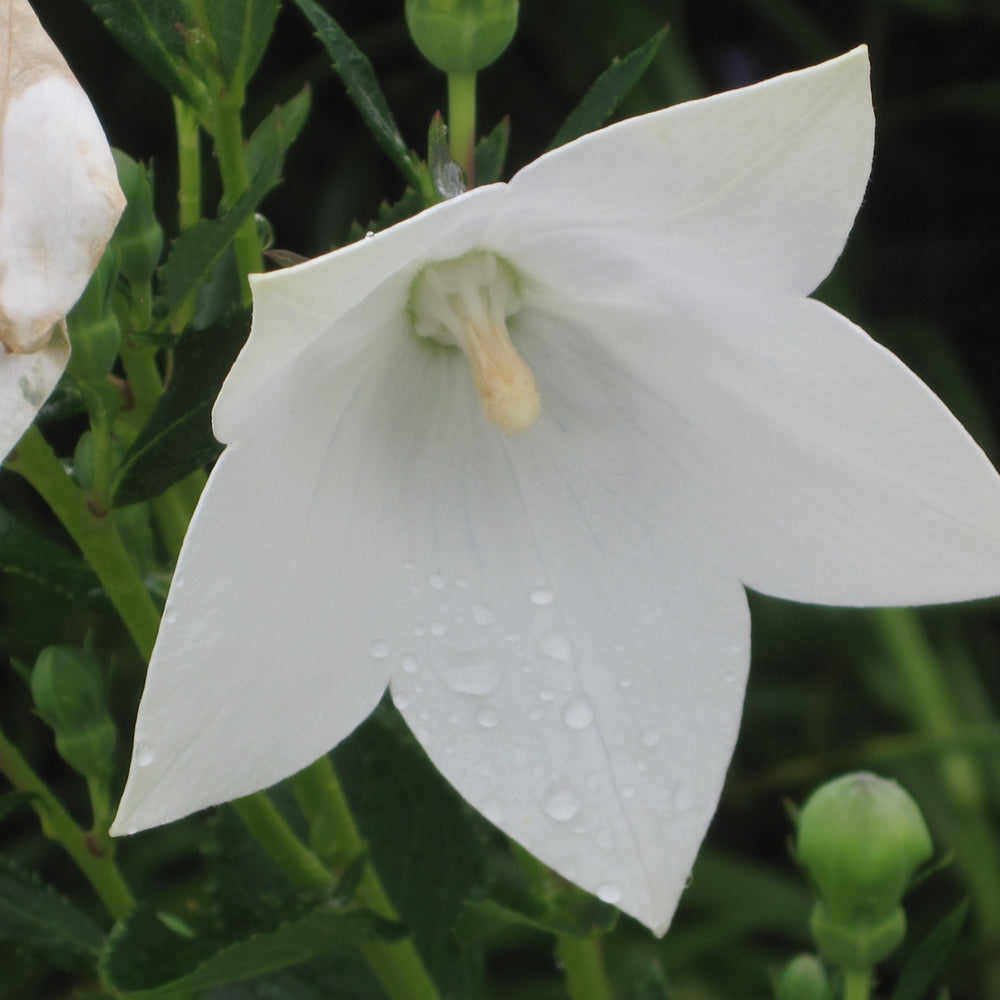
(401, 701)
(609, 892)
(461, 583)
(536, 714)
(605, 840)
(380, 649)
(422, 735)
(474, 676)
(170, 618)
(557, 646)
(546, 694)
(144, 755)
(628, 792)
(541, 596)
(651, 737)
(488, 717)
(437, 581)
(482, 615)
(625, 683)
(409, 664)
(578, 713)
(562, 805)
(683, 799)
(419, 630)
(438, 629)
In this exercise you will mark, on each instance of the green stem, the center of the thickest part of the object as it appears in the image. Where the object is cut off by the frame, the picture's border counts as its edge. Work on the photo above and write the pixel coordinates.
(930, 700)
(230, 149)
(462, 122)
(397, 966)
(270, 830)
(857, 984)
(581, 960)
(189, 188)
(92, 854)
(96, 536)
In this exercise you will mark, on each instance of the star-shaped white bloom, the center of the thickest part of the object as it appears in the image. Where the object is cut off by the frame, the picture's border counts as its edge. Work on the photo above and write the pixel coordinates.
(59, 204)
(541, 541)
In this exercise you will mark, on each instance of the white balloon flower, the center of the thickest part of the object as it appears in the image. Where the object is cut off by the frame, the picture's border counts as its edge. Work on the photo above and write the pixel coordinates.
(518, 456)
(59, 204)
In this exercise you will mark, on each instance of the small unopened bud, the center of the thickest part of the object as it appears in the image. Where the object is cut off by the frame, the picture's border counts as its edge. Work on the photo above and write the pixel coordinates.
(94, 334)
(461, 36)
(860, 838)
(139, 236)
(68, 688)
(804, 978)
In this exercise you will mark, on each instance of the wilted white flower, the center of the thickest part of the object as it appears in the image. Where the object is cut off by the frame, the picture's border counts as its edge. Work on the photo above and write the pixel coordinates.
(59, 203)
(518, 457)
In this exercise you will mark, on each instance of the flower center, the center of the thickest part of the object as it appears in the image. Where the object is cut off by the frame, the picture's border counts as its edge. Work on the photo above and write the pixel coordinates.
(465, 303)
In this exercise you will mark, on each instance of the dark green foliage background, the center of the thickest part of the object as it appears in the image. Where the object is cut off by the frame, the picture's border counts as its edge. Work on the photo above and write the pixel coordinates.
(919, 273)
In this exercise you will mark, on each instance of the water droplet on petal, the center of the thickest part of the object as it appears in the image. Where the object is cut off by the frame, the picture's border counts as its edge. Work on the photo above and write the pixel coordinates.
(473, 676)
(628, 792)
(541, 596)
(170, 618)
(651, 737)
(437, 581)
(409, 664)
(557, 645)
(482, 615)
(562, 805)
(535, 714)
(380, 649)
(401, 701)
(578, 713)
(683, 799)
(438, 629)
(609, 892)
(546, 694)
(144, 755)
(488, 717)
(461, 583)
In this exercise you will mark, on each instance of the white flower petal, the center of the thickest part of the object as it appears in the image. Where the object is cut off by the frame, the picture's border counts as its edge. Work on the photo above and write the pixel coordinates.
(262, 665)
(295, 306)
(577, 661)
(755, 188)
(59, 193)
(828, 471)
(26, 381)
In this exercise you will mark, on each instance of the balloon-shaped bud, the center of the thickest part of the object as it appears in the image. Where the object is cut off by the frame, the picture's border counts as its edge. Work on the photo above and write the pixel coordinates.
(804, 978)
(68, 688)
(461, 36)
(139, 236)
(94, 333)
(860, 838)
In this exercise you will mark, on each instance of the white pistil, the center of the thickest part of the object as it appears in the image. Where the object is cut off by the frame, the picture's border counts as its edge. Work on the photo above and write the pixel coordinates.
(465, 302)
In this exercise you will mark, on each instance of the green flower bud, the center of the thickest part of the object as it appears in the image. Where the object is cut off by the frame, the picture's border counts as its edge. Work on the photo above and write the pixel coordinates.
(139, 236)
(461, 36)
(94, 334)
(860, 837)
(68, 688)
(804, 978)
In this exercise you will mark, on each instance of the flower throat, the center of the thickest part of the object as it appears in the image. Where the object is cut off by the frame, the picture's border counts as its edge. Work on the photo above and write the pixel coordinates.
(465, 303)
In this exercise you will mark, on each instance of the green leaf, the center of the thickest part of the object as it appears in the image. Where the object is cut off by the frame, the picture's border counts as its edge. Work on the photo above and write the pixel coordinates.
(27, 552)
(278, 130)
(198, 247)
(354, 69)
(177, 439)
(42, 922)
(149, 956)
(426, 844)
(147, 30)
(929, 957)
(241, 31)
(491, 154)
(388, 215)
(608, 91)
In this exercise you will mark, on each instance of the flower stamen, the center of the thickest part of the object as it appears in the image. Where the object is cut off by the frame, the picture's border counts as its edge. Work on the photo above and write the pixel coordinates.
(465, 303)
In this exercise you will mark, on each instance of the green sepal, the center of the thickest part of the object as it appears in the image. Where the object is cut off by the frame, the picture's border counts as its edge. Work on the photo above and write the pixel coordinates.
(930, 955)
(354, 69)
(149, 956)
(147, 30)
(491, 154)
(177, 439)
(24, 551)
(44, 923)
(241, 31)
(608, 91)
